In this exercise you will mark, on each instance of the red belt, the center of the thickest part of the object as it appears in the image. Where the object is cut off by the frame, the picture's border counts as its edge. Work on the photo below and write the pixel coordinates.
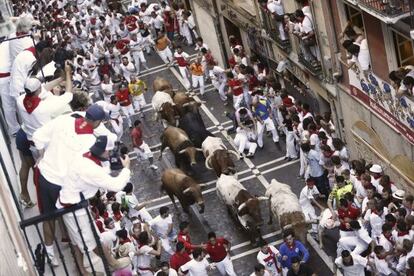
(145, 268)
(4, 75)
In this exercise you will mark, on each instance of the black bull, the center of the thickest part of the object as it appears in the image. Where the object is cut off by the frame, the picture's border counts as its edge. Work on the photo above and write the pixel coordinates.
(193, 125)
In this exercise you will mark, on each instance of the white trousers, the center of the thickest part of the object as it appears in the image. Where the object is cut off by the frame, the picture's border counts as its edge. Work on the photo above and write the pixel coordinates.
(225, 267)
(139, 102)
(184, 74)
(9, 106)
(310, 214)
(220, 87)
(303, 163)
(166, 55)
(138, 57)
(237, 101)
(352, 244)
(270, 126)
(198, 81)
(143, 152)
(290, 145)
(84, 227)
(243, 143)
(128, 112)
(118, 127)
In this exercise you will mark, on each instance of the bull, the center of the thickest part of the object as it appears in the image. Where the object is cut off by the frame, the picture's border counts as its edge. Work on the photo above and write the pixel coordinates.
(185, 103)
(179, 143)
(162, 85)
(165, 108)
(193, 125)
(218, 158)
(284, 205)
(241, 204)
(188, 192)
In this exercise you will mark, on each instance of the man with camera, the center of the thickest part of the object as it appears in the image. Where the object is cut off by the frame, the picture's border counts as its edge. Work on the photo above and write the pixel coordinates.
(88, 173)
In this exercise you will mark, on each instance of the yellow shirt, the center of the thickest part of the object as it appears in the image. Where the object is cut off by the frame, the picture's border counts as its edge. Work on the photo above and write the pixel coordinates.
(196, 69)
(137, 88)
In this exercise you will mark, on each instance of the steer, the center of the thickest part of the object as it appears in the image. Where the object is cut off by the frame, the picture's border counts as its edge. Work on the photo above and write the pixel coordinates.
(185, 103)
(161, 84)
(193, 125)
(176, 183)
(179, 143)
(218, 157)
(284, 205)
(165, 107)
(244, 206)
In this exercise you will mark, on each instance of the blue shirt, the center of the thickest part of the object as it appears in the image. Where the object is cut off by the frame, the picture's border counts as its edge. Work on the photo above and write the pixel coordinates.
(298, 250)
(261, 111)
(315, 169)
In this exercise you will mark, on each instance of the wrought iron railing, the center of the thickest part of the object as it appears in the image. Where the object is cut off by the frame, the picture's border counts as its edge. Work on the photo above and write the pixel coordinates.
(40, 256)
(271, 27)
(389, 8)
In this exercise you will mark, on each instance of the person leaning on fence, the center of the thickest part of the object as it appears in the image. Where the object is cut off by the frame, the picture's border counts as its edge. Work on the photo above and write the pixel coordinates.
(87, 174)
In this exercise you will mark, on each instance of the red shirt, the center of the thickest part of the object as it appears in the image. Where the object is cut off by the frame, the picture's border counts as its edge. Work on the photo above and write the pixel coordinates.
(136, 136)
(217, 251)
(122, 46)
(253, 82)
(178, 259)
(233, 83)
(122, 96)
(186, 240)
(131, 23)
(351, 212)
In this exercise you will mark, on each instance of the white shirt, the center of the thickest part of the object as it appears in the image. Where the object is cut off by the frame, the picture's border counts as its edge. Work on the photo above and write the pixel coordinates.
(19, 72)
(376, 223)
(268, 261)
(62, 144)
(357, 269)
(5, 60)
(171, 272)
(18, 45)
(136, 45)
(381, 265)
(127, 70)
(196, 268)
(363, 55)
(157, 22)
(218, 73)
(160, 225)
(315, 170)
(266, 273)
(86, 177)
(384, 242)
(275, 6)
(307, 24)
(144, 258)
(48, 106)
(306, 196)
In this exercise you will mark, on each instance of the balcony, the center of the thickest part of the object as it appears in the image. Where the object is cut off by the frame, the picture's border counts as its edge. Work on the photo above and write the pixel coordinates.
(271, 28)
(388, 11)
(314, 67)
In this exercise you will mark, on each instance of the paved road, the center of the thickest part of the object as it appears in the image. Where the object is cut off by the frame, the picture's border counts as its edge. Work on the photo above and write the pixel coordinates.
(254, 174)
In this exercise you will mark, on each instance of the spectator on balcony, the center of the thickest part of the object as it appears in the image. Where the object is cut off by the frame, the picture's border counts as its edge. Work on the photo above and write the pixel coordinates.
(359, 52)
(351, 32)
(305, 30)
(275, 7)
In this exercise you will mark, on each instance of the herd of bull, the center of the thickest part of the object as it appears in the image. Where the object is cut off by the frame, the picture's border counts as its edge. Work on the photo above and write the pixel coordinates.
(185, 134)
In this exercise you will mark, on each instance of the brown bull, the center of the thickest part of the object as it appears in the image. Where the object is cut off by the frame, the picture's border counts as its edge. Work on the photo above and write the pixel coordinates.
(177, 184)
(185, 103)
(161, 84)
(221, 162)
(179, 143)
(168, 112)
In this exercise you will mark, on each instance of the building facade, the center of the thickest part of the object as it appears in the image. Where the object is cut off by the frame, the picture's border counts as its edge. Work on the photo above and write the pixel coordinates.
(375, 123)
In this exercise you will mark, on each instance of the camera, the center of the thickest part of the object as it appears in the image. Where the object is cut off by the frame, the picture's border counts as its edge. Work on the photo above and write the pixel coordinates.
(61, 55)
(120, 150)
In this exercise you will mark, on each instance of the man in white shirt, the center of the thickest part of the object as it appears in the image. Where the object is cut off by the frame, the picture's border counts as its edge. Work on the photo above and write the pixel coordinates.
(198, 266)
(162, 225)
(268, 256)
(306, 199)
(145, 254)
(136, 47)
(351, 264)
(68, 136)
(358, 242)
(166, 269)
(260, 270)
(218, 79)
(87, 174)
(127, 68)
(275, 7)
(182, 59)
(136, 209)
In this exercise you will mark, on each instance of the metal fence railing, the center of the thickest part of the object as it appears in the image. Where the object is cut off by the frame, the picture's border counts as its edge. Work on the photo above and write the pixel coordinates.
(38, 251)
(389, 8)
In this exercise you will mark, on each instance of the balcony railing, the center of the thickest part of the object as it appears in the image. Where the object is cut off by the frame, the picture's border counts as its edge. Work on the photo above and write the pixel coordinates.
(271, 27)
(314, 66)
(388, 11)
(69, 264)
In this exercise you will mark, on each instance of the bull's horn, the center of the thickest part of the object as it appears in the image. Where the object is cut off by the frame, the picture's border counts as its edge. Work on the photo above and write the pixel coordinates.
(181, 151)
(199, 149)
(241, 206)
(186, 104)
(203, 185)
(263, 198)
(287, 226)
(207, 162)
(235, 154)
(187, 190)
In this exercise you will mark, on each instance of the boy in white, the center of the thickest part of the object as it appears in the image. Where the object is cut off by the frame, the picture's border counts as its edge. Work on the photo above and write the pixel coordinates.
(351, 264)
(145, 253)
(198, 266)
(306, 198)
(162, 225)
(267, 256)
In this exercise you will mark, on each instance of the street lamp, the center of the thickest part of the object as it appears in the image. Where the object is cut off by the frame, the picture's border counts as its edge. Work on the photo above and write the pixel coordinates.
(6, 25)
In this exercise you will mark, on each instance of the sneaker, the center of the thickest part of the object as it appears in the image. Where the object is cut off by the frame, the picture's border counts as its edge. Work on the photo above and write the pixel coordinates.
(250, 154)
(154, 167)
(54, 261)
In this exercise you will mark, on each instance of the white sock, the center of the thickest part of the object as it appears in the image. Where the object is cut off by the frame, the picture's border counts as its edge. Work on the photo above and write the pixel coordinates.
(50, 251)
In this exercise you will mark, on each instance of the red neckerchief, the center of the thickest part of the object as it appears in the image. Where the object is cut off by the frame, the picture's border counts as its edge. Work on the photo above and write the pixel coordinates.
(117, 215)
(402, 233)
(377, 177)
(125, 241)
(80, 129)
(21, 34)
(272, 256)
(30, 102)
(93, 158)
(32, 50)
(329, 154)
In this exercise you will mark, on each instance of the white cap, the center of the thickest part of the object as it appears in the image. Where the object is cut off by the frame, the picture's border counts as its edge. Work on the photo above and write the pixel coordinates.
(375, 168)
(32, 85)
(398, 194)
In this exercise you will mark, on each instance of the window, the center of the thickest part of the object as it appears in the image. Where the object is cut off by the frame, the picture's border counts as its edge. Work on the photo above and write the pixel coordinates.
(355, 16)
(403, 49)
